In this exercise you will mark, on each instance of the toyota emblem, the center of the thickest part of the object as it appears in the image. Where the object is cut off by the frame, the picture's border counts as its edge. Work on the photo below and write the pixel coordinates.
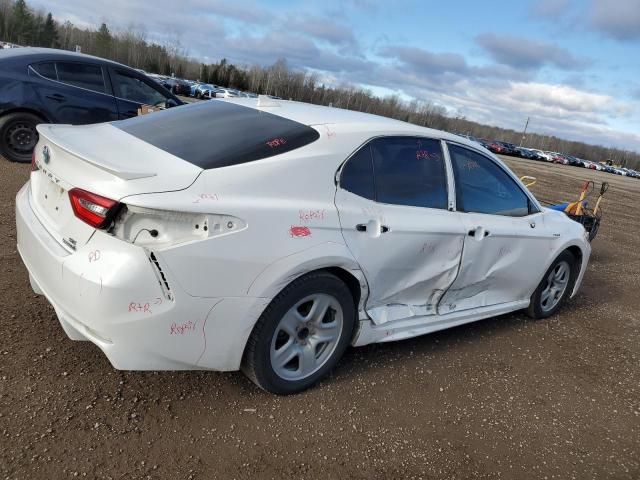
(46, 154)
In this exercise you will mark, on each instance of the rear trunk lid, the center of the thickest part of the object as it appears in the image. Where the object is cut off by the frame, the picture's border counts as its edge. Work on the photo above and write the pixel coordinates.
(101, 159)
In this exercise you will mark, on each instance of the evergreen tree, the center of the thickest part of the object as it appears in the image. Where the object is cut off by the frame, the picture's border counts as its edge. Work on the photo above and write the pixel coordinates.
(49, 37)
(22, 24)
(103, 41)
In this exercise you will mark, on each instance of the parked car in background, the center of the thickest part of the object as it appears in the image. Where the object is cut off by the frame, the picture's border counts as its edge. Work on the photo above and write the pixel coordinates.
(592, 165)
(228, 92)
(41, 85)
(559, 158)
(541, 155)
(495, 147)
(251, 239)
(526, 153)
(214, 93)
(199, 90)
(509, 149)
(177, 86)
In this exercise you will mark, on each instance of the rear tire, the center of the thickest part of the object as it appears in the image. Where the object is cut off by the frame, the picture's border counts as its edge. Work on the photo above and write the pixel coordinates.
(18, 136)
(301, 335)
(554, 288)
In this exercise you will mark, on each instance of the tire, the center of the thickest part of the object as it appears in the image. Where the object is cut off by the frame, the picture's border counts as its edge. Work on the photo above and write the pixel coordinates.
(18, 136)
(293, 345)
(554, 288)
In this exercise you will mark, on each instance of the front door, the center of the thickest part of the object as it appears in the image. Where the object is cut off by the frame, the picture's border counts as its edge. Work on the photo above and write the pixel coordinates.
(506, 241)
(392, 200)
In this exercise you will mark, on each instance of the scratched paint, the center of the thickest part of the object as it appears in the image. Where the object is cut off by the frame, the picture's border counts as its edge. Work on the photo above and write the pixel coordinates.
(299, 231)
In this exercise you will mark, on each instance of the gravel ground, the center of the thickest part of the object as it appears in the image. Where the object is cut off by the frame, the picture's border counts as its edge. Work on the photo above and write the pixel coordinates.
(503, 398)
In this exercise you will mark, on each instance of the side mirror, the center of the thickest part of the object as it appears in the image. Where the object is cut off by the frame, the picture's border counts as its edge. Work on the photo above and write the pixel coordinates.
(170, 103)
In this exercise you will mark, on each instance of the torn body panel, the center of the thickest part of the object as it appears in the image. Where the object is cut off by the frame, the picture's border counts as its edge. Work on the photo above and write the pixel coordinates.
(409, 255)
(369, 332)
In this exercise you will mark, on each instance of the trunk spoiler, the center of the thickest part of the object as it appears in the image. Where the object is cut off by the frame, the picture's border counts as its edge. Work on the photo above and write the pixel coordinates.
(66, 137)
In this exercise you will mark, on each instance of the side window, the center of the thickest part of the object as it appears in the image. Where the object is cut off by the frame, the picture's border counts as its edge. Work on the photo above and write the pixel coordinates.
(483, 187)
(357, 174)
(83, 75)
(409, 171)
(134, 89)
(46, 69)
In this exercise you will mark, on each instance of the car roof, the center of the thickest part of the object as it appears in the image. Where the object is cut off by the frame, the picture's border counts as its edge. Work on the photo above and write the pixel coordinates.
(33, 54)
(309, 114)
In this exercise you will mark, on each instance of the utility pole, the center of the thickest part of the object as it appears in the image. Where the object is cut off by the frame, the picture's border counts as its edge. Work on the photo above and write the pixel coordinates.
(524, 132)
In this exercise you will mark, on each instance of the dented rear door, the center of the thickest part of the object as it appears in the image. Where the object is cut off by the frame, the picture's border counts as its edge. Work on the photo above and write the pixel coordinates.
(398, 227)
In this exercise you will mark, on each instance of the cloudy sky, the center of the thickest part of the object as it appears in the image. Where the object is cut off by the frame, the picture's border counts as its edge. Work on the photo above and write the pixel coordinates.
(573, 66)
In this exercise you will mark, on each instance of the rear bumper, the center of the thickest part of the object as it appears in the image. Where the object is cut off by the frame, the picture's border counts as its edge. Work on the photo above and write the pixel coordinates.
(109, 292)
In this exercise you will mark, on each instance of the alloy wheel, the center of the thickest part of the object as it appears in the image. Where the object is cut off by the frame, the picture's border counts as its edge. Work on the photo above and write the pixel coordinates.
(557, 282)
(306, 336)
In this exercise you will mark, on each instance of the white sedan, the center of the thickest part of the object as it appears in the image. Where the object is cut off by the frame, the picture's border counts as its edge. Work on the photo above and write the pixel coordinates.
(269, 235)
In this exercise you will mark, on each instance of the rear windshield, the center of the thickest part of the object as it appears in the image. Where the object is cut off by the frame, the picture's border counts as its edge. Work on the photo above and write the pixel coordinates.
(216, 134)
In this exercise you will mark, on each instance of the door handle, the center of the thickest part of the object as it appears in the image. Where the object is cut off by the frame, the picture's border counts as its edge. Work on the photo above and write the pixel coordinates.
(56, 97)
(362, 227)
(480, 230)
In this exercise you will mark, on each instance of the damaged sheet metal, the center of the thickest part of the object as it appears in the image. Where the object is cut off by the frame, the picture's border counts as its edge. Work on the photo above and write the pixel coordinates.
(409, 267)
(500, 262)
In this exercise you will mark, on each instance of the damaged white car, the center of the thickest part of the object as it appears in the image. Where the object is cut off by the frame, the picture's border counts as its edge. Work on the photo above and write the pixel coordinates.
(269, 235)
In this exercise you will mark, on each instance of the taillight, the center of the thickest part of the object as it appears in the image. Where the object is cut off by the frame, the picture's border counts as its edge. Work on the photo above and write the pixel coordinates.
(34, 165)
(93, 209)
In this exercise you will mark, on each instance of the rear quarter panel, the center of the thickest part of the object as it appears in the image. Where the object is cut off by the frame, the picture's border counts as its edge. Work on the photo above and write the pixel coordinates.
(292, 224)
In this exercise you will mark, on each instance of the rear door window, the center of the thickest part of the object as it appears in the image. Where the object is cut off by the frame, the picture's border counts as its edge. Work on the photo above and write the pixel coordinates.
(46, 69)
(357, 174)
(409, 171)
(84, 75)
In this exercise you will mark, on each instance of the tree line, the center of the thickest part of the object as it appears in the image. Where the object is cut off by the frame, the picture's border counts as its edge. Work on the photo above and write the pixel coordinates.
(23, 25)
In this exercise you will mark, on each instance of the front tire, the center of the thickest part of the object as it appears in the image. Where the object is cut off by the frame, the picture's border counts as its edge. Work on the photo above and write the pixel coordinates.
(301, 335)
(555, 287)
(18, 136)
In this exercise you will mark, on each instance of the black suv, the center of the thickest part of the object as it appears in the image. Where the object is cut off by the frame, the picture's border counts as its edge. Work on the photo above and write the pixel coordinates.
(42, 85)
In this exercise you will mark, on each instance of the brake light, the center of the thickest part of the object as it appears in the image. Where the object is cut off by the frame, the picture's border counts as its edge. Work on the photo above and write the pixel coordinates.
(93, 209)
(34, 165)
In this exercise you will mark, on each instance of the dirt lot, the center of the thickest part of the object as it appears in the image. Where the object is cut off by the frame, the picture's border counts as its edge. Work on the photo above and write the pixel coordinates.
(503, 398)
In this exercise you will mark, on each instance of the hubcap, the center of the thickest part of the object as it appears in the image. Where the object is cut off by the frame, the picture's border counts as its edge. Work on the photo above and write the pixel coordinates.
(557, 282)
(21, 137)
(306, 337)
